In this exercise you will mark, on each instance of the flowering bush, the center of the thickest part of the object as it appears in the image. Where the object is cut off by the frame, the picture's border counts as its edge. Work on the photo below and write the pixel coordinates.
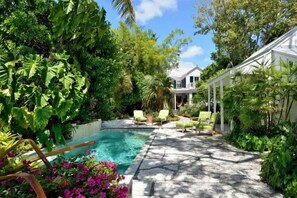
(77, 177)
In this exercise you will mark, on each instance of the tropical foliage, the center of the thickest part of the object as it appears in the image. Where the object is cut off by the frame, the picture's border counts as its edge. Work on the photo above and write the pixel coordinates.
(143, 81)
(38, 94)
(280, 165)
(263, 98)
(260, 105)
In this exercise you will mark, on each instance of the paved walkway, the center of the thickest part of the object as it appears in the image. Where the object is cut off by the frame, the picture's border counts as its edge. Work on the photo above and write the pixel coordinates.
(188, 165)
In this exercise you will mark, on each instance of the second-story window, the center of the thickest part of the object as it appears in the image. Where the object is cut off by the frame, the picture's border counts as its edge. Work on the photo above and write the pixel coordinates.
(191, 79)
(196, 79)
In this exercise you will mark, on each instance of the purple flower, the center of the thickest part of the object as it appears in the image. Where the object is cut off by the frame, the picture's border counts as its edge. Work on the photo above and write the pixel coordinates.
(88, 152)
(103, 195)
(91, 182)
(38, 171)
(79, 178)
(67, 193)
(94, 191)
(2, 163)
(76, 191)
(66, 164)
(106, 185)
(10, 154)
(3, 182)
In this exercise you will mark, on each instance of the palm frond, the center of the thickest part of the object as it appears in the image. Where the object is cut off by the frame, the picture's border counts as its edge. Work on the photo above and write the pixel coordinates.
(125, 9)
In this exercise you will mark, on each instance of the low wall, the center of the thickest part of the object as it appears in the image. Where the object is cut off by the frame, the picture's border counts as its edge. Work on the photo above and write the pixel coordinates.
(84, 130)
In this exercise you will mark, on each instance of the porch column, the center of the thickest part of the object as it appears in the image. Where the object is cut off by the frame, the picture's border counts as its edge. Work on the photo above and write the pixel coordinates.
(214, 98)
(190, 98)
(221, 103)
(208, 97)
(174, 102)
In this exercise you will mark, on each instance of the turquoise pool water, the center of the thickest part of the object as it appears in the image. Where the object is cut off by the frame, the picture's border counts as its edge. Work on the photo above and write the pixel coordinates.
(119, 146)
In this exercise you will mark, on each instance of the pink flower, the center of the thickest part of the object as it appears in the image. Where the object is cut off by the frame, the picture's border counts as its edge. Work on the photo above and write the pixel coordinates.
(80, 166)
(10, 154)
(102, 195)
(88, 152)
(91, 182)
(77, 191)
(66, 164)
(2, 162)
(106, 185)
(81, 196)
(121, 192)
(67, 193)
(38, 171)
(25, 162)
(79, 178)
(3, 182)
(94, 191)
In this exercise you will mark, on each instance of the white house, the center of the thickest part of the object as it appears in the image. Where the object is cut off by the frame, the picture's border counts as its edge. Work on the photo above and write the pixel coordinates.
(184, 79)
(282, 49)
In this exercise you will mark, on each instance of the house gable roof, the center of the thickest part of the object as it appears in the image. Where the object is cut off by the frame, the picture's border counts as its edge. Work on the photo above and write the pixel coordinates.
(181, 72)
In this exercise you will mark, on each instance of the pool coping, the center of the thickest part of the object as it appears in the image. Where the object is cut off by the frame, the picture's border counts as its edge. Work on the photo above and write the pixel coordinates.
(134, 166)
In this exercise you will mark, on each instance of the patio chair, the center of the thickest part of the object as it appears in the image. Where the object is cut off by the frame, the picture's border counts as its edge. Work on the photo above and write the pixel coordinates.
(138, 116)
(163, 116)
(184, 125)
(208, 126)
(204, 116)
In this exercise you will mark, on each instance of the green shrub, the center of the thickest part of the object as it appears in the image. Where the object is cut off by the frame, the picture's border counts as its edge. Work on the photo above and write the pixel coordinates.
(192, 110)
(280, 165)
(249, 141)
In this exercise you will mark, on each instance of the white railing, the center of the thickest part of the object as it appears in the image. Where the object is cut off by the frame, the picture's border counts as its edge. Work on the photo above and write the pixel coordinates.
(188, 86)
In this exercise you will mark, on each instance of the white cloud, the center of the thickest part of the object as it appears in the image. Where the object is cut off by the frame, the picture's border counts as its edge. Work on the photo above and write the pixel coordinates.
(192, 51)
(186, 64)
(149, 9)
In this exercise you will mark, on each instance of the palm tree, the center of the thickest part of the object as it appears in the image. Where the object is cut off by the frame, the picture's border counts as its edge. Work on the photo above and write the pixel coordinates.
(156, 93)
(125, 9)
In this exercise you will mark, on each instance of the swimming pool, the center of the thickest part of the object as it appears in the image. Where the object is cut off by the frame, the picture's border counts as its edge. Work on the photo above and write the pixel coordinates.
(119, 146)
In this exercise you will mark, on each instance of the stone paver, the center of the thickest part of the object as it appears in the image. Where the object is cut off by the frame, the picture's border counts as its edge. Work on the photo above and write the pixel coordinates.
(186, 165)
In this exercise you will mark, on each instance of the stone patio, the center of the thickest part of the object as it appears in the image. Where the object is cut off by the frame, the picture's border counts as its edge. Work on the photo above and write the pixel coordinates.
(191, 165)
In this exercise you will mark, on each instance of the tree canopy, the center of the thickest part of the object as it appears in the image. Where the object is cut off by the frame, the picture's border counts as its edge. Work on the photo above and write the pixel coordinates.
(241, 27)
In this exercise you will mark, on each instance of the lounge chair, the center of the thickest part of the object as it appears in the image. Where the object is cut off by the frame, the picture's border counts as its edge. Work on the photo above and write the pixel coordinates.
(138, 116)
(163, 116)
(208, 126)
(204, 116)
(184, 125)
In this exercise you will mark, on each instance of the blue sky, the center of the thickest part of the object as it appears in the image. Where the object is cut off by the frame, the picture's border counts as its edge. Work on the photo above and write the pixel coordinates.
(163, 16)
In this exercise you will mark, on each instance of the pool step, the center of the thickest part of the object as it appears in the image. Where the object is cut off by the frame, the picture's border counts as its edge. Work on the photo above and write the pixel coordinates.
(142, 189)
